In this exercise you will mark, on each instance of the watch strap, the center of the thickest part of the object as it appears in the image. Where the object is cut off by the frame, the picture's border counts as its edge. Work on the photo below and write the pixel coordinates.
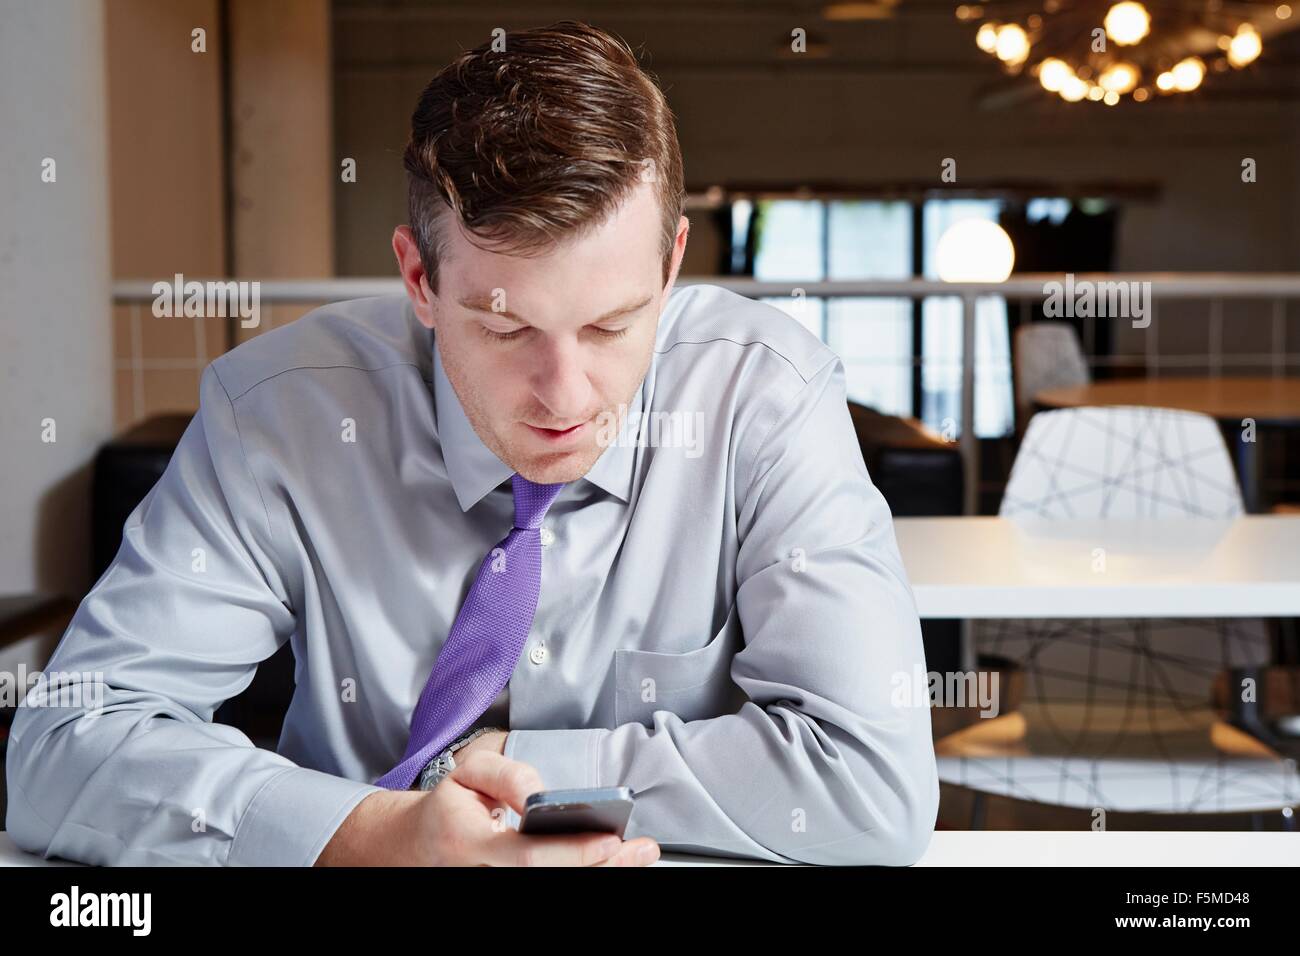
(444, 763)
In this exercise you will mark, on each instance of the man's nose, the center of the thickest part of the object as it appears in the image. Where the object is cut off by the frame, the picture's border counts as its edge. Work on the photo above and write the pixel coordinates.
(560, 381)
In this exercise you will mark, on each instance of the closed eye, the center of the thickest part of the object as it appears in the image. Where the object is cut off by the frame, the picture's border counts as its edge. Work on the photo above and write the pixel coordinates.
(500, 336)
(507, 336)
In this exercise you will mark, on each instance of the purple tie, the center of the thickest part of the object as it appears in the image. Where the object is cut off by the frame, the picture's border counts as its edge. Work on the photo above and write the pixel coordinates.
(485, 641)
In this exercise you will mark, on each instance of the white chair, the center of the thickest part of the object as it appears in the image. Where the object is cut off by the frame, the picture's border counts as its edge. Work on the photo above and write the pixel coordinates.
(1116, 713)
(1046, 355)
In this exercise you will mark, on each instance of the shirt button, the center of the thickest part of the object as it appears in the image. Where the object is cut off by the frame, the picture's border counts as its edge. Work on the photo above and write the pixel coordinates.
(537, 654)
(548, 537)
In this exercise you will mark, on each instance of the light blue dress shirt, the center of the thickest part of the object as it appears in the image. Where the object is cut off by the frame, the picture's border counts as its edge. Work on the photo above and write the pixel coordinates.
(723, 619)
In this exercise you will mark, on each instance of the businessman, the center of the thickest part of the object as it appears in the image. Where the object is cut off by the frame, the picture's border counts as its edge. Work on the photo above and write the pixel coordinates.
(543, 522)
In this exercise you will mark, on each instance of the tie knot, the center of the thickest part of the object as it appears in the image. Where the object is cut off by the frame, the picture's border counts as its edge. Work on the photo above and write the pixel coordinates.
(532, 500)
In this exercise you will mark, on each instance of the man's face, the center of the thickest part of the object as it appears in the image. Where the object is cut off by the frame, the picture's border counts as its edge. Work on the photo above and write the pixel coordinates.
(542, 351)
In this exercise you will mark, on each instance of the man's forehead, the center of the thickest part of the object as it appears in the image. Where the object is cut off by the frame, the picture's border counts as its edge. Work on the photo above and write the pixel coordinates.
(498, 301)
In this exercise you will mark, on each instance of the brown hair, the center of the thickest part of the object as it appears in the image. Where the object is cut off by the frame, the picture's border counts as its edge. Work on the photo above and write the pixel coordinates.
(539, 141)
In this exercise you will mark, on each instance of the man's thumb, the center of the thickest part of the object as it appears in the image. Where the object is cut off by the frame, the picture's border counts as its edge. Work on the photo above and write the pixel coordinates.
(508, 781)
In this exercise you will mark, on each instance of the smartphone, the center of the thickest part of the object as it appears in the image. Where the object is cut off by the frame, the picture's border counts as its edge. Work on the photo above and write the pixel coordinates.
(594, 810)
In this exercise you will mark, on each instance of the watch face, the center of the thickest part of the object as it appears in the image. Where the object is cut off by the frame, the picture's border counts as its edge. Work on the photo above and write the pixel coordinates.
(433, 771)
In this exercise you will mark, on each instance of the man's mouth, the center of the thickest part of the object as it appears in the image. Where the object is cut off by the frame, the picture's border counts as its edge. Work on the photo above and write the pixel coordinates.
(558, 435)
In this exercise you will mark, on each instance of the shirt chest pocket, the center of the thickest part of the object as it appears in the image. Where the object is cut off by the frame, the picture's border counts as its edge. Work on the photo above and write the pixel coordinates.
(695, 685)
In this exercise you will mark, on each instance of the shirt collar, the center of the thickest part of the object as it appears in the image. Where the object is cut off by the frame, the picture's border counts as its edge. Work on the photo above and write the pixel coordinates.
(475, 470)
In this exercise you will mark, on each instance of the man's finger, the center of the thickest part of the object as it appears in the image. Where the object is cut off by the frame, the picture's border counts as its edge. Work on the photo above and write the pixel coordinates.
(629, 853)
(513, 848)
(507, 781)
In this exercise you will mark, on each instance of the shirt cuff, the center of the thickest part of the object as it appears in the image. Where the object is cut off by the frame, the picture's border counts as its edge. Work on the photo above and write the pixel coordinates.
(566, 759)
(293, 816)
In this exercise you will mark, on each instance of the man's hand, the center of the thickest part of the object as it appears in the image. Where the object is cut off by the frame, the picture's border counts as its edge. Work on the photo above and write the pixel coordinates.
(462, 822)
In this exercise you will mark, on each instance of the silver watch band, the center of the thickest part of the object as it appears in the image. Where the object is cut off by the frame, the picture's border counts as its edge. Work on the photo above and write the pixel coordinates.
(444, 763)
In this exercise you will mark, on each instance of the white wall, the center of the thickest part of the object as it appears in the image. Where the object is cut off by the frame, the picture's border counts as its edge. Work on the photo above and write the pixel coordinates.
(55, 350)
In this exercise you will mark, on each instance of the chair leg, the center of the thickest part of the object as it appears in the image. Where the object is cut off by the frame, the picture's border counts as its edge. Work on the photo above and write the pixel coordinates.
(977, 812)
(1284, 634)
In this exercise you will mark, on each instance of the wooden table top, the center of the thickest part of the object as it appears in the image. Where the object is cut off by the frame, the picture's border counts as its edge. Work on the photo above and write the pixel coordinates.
(1263, 398)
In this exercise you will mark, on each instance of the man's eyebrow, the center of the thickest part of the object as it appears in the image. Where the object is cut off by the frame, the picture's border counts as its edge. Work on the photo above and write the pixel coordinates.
(483, 303)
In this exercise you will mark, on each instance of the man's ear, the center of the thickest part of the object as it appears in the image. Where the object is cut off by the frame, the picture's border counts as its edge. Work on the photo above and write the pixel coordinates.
(413, 275)
(679, 251)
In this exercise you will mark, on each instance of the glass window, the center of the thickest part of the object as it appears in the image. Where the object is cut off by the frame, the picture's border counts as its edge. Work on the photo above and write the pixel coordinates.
(810, 240)
(814, 239)
(790, 240)
(791, 246)
(742, 210)
(871, 239)
(941, 337)
(1054, 209)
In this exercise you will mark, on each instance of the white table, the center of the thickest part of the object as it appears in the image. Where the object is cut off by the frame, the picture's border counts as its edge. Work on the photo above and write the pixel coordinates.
(1125, 848)
(1012, 848)
(1082, 848)
(1030, 568)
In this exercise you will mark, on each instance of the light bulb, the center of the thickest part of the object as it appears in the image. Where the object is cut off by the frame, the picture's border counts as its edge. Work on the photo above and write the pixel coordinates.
(1119, 78)
(1165, 82)
(1127, 23)
(1052, 74)
(1012, 44)
(1245, 46)
(986, 38)
(1188, 74)
(975, 250)
(1073, 90)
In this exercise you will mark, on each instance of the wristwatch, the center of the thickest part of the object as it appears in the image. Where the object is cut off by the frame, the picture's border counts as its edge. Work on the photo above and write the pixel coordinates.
(438, 768)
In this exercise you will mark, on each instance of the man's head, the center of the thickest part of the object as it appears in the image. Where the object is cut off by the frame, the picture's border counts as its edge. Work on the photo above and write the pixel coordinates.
(545, 202)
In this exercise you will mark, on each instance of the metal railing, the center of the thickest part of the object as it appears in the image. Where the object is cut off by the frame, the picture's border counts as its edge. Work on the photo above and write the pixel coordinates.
(1213, 288)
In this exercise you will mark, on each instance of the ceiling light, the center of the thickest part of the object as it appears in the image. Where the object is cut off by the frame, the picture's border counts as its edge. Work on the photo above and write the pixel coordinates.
(1127, 23)
(1188, 74)
(1245, 47)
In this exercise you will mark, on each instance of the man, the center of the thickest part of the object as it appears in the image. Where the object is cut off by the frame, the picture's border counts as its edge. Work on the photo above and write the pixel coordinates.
(544, 521)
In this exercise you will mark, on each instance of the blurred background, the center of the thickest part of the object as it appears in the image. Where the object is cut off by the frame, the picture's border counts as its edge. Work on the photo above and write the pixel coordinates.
(829, 150)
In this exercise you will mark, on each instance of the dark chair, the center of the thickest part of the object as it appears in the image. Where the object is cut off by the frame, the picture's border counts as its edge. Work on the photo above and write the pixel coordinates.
(125, 469)
(918, 472)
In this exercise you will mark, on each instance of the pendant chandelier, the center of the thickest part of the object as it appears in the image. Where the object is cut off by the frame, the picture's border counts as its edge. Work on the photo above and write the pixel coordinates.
(1103, 51)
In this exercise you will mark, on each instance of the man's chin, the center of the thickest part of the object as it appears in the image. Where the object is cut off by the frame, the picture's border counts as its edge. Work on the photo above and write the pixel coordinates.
(549, 468)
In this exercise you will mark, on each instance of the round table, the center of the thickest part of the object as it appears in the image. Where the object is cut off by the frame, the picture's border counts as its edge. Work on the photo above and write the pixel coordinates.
(1273, 400)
